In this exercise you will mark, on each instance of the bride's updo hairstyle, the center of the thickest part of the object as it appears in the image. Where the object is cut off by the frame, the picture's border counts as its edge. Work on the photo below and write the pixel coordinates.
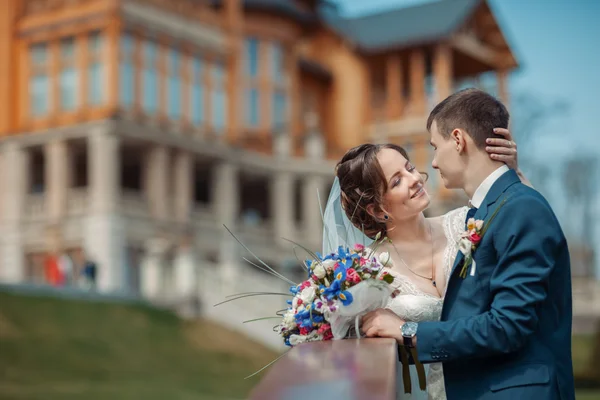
(362, 183)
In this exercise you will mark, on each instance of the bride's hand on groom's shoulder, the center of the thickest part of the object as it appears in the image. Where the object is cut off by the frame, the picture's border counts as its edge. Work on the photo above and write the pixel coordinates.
(382, 323)
(503, 149)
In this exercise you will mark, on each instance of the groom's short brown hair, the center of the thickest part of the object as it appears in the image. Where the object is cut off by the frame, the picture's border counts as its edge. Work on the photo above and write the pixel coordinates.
(473, 110)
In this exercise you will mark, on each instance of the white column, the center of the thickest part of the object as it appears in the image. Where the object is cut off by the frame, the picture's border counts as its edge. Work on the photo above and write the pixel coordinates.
(186, 277)
(314, 145)
(57, 179)
(158, 181)
(311, 210)
(183, 176)
(151, 274)
(282, 145)
(226, 203)
(14, 180)
(282, 206)
(105, 231)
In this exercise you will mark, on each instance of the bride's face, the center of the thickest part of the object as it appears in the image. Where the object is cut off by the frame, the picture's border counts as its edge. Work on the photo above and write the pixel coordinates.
(406, 195)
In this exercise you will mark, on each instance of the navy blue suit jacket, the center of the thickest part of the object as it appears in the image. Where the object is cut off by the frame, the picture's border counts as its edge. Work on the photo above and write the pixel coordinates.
(505, 333)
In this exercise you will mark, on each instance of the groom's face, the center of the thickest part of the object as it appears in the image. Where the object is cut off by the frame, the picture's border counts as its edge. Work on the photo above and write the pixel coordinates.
(446, 158)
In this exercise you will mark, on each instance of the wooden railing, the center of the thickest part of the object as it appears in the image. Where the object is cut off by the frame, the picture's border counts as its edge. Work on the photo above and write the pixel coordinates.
(360, 369)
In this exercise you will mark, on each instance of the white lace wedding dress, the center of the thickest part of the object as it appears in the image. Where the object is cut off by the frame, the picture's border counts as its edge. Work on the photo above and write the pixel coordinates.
(414, 305)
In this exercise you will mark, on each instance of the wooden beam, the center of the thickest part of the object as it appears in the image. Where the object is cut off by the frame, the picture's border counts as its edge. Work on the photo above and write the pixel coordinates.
(393, 86)
(417, 81)
(443, 71)
(474, 48)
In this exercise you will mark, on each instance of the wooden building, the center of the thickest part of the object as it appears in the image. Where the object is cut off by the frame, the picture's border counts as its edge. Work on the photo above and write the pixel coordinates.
(133, 129)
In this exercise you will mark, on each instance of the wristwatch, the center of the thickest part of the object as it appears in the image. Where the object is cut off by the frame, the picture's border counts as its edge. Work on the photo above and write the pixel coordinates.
(409, 331)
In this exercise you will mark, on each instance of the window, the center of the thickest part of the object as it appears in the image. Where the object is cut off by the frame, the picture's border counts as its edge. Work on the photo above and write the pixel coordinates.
(252, 94)
(174, 85)
(219, 98)
(150, 77)
(280, 115)
(277, 63)
(95, 70)
(68, 75)
(266, 83)
(126, 71)
(39, 86)
(279, 94)
(197, 95)
(252, 57)
(252, 107)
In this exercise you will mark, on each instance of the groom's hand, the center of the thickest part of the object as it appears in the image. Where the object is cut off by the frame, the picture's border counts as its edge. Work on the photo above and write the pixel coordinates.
(382, 323)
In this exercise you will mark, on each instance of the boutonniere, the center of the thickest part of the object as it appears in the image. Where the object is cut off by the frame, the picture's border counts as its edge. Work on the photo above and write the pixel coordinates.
(470, 239)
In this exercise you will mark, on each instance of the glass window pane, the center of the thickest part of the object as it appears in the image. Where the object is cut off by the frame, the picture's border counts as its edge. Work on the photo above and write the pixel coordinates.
(38, 95)
(174, 85)
(126, 71)
(279, 111)
(197, 95)
(67, 49)
(95, 84)
(252, 57)
(219, 102)
(68, 89)
(252, 107)
(150, 78)
(277, 67)
(95, 43)
(38, 53)
(127, 45)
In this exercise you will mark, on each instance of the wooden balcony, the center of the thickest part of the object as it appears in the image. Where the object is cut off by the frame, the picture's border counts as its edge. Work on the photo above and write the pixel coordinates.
(360, 369)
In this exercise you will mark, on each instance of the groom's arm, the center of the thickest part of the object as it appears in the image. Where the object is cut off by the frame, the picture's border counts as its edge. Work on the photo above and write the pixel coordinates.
(526, 239)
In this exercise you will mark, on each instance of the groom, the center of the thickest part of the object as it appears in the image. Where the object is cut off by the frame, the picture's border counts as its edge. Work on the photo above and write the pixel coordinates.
(505, 330)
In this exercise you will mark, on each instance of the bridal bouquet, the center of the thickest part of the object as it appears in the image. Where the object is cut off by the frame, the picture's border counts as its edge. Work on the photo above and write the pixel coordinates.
(341, 287)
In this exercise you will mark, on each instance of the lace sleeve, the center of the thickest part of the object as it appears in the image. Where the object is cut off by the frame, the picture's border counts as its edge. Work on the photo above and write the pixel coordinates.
(454, 225)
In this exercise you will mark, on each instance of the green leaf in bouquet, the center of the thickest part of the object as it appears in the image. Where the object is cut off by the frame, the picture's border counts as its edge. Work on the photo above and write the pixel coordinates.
(388, 278)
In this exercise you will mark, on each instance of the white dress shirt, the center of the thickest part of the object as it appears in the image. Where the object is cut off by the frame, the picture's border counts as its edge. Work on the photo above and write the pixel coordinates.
(486, 185)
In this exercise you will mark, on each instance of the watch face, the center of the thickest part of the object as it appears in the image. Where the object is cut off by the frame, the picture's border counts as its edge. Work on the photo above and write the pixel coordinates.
(409, 329)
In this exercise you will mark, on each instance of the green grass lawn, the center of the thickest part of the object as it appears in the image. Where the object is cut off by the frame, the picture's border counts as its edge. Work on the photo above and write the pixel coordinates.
(61, 349)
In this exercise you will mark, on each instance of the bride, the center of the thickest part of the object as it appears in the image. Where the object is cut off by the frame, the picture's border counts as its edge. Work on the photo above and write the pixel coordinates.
(380, 191)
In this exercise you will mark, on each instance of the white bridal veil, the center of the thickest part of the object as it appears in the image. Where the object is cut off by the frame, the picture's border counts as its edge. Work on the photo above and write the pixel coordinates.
(337, 228)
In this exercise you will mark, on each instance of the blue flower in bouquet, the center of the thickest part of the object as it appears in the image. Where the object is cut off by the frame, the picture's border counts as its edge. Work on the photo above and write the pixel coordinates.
(335, 289)
(340, 274)
(346, 257)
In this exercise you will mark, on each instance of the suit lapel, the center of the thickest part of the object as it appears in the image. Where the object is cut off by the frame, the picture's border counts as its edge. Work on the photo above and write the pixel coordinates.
(498, 188)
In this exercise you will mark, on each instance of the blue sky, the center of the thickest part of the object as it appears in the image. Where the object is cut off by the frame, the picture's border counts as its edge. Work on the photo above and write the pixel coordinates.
(557, 43)
(554, 42)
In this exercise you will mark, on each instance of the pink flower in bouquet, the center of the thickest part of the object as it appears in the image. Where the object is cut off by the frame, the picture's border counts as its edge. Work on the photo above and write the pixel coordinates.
(304, 331)
(327, 335)
(352, 276)
(304, 285)
(358, 247)
(323, 328)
